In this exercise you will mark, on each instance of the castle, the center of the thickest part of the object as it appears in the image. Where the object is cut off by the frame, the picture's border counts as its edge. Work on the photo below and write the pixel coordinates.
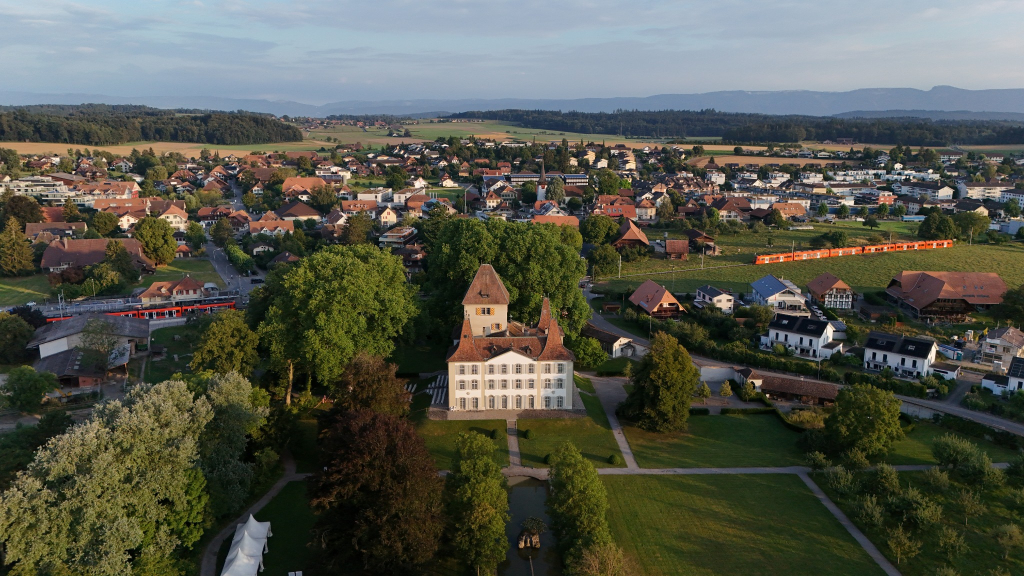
(496, 364)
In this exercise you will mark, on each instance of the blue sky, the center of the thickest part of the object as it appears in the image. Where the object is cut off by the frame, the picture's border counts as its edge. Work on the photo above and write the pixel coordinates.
(318, 52)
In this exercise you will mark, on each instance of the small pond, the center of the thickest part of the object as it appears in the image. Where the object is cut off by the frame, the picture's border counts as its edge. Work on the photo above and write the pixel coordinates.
(526, 498)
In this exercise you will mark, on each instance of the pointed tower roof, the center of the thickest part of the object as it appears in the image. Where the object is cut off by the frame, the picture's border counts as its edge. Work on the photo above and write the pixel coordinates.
(486, 288)
(466, 350)
(553, 347)
(545, 316)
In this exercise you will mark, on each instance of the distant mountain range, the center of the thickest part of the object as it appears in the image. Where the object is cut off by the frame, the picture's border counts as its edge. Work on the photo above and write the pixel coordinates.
(940, 102)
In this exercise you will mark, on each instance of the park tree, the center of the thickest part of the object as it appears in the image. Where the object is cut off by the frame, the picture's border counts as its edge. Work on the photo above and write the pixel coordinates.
(603, 259)
(902, 544)
(899, 211)
(395, 177)
(24, 208)
(663, 384)
(822, 209)
(1009, 537)
(529, 193)
(19, 446)
(103, 223)
(578, 507)
(195, 235)
(726, 390)
(883, 210)
(331, 305)
(532, 261)
(871, 221)
(378, 496)
(774, 218)
(71, 213)
(863, 212)
(15, 334)
(357, 229)
(15, 251)
(588, 351)
(1012, 209)
(222, 232)
(843, 211)
(371, 383)
(608, 182)
(323, 198)
(971, 224)
(25, 388)
(1012, 306)
(476, 502)
(118, 258)
(937, 226)
(157, 239)
(865, 418)
(555, 190)
(239, 412)
(599, 229)
(703, 392)
(227, 345)
(574, 204)
(113, 491)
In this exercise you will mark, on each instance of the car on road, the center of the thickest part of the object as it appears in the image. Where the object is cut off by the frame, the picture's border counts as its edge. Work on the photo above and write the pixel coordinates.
(256, 281)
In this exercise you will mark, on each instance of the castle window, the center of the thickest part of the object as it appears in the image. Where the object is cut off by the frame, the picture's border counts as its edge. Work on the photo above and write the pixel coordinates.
(531, 402)
(462, 370)
(474, 385)
(529, 384)
(490, 384)
(504, 369)
(475, 369)
(519, 368)
(530, 369)
(519, 384)
(561, 368)
(462, 384)
(504, 402)
(559, 383)
(547, 368)
(476, 403)
(561, 402)
(504, 384)
(490, 368)
(547, 401)
(462, 403)
(496, 327)
(547, 383)
(519, 402)
(485, 311)
(490, 402)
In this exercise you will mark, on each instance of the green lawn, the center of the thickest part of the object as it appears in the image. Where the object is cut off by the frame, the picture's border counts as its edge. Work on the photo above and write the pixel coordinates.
(615, 366)
(303, 446)
(19, 290)
(200, 269)
(591, 435)
(766, 525)
(983, 554)
(916, 448)
(863, 273)
(160, 370)
(731, 440)
(291, 520)
(440, 436)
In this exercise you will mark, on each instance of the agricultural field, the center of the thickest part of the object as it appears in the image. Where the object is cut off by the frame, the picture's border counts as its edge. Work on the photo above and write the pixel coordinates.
(21, 289)
(732, 270)
(725, 441)
(768, 525)
(762, 160)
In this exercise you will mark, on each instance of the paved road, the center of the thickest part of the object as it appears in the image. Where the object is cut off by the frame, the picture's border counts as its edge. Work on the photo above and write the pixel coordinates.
(232, 280)
(611, 393)
(209, 563)
(514, 457)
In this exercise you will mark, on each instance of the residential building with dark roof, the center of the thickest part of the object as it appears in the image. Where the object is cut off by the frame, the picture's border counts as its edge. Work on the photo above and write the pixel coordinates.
(500, 364)
(57, 337)
(804, 336)
(908, 357)
(708, 294)
(1009, 383)
(780, 294)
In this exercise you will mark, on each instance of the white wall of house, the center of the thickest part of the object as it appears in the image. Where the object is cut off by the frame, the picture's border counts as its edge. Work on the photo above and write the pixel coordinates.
(510, 381)
(802, 344)
(900, 364)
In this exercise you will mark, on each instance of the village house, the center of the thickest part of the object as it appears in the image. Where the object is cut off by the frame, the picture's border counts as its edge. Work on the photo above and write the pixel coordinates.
(48, 231)
(185, 289)
(614, 345)
(630, 235)
(906, 356)
(780, 294)
(930, 190)
(676, 249)
(56, 337)
(176, 217)
(1009, 383)
(1000, 346)
(655, 300)
(804, 336)
(298, 211)
(496, 364)
(67, 253)
(829, 291)
(708, 294)
(945, 295)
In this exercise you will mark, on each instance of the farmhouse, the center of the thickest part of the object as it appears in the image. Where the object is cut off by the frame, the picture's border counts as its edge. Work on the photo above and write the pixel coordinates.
(183, 289)
(496, 364)
(799, 390)
(78, 253)
(655, 300)
(831, 292)
(945, 295)
(630, 235)
(906, 356)
(676, 249)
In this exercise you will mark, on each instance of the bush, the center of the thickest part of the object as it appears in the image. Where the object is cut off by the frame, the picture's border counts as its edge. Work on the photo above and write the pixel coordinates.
(841, 480)
(855, 459)
(494, 434)
(547, 459)
(817, 460)
(700, 411)
(885, 481)
(937, 478)
(528, 434)
(615, 460)
(870, 512)
(629, 315)
(766, 410)
(807, 419)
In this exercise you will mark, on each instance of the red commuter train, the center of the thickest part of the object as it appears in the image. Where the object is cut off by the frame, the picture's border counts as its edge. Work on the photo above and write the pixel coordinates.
(836, 252)
(167, 310)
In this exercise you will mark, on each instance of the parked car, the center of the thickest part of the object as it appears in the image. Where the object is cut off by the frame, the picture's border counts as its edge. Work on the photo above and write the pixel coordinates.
(256, 281)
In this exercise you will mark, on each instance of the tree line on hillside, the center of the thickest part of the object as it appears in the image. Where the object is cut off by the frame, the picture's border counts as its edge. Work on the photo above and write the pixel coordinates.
(106, 125)
(751, 128)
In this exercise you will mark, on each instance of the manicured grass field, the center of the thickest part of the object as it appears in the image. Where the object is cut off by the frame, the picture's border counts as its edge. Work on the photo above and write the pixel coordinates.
(731, 440)
(862, 273)
(983, 553)
(303, 446)
(766, 525)
(916, 448)
(440, 436)
(417, 359)
(199, 269)
(21, 289)
(591, 435)
(291, 520)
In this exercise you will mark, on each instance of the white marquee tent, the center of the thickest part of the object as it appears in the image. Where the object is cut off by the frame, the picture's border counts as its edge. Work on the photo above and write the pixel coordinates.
(245, 557)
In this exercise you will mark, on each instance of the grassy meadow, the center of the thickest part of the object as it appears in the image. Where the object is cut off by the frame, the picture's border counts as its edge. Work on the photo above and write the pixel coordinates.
(764, 525)
(591, 435)
(21, 289)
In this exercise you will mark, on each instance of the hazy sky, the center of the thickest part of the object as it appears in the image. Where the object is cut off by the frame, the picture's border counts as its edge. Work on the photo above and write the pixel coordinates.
(317, 52)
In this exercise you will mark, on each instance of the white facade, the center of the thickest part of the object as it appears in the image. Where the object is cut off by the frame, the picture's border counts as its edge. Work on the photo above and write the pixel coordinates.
(902, 364)
(510, 381)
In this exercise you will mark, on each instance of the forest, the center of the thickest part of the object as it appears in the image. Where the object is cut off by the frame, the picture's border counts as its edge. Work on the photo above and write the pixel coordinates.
(762, 128)
(99, 125)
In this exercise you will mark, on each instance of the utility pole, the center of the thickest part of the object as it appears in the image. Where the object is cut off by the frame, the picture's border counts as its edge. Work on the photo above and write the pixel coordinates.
(620, 265)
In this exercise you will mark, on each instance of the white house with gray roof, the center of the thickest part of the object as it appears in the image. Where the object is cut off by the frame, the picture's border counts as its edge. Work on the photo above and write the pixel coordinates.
(907, 357)
(804, 336)
(780, 294)
(708, 294)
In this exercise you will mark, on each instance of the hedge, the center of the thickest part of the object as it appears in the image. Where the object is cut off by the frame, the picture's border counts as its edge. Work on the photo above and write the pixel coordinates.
(699, 411)
(764, 410)
(914, 389)
(977, 430)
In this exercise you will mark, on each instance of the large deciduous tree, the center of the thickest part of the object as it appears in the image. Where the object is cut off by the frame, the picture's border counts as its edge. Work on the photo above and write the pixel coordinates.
(333, 304)
(378, 496)
(25, 388)
(477, 504)
(370, 383)
(113, 490)
(227, 345)
(865, 418)
(157, 239)
(532, 261)
(663, 384)
(357, 229)
(14, 336)
(598, 229)
(103, 223)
